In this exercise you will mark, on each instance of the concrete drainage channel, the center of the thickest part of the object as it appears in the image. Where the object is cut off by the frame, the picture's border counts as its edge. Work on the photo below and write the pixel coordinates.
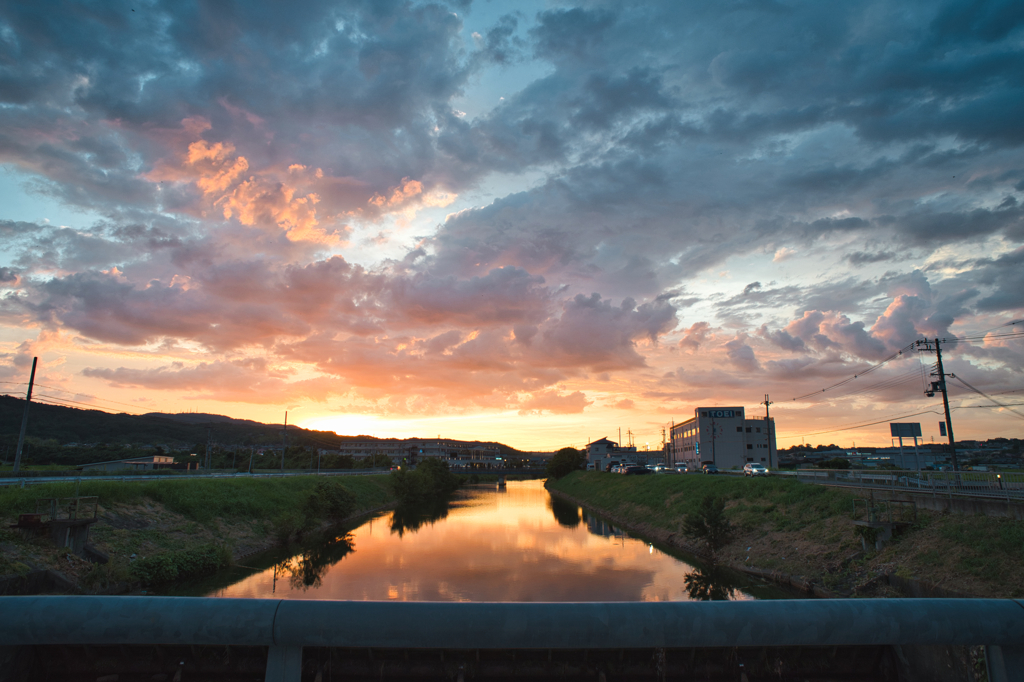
(168, 638)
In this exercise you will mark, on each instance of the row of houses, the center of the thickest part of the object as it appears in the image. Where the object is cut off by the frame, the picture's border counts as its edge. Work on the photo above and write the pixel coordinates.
(722, 436)
(458, 453)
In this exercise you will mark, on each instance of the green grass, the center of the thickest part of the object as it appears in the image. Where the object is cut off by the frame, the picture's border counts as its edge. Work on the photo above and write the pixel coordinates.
(663, 500)
(202, 500)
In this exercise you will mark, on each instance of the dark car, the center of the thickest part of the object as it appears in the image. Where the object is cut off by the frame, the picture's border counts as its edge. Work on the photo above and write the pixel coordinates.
(637, 471)
(710, 469)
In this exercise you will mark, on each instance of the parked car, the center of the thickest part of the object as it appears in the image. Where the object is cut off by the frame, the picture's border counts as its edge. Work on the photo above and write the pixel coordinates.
(710, 469)
(755, 469)
(636, 471)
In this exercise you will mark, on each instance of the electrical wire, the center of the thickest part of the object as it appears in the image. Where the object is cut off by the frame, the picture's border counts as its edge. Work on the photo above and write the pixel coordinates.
(861, 425)
(67, 403)
(105, 400)
(869, 370)
(983, 394)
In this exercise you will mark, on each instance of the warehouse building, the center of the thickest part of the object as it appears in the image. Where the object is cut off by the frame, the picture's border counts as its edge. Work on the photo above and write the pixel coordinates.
(723, 436)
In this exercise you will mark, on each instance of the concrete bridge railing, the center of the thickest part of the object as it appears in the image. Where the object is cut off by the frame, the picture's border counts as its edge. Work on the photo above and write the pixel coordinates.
(286, 626)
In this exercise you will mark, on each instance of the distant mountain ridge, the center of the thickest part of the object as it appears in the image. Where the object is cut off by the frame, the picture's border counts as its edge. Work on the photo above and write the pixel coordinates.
(201, 418)
(68, 425)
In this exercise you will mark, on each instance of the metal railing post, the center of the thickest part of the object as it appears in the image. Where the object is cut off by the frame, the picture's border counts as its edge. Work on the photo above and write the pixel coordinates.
(284, 664)
(1004, 664)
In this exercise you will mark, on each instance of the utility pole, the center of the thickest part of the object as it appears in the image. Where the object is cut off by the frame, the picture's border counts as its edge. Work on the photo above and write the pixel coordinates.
(24, 417)
(672, 441)
(940, 385)
(768, 425)
(285, 439)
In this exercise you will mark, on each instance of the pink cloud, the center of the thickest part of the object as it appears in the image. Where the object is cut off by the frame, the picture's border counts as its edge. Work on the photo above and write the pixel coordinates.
(556, 403)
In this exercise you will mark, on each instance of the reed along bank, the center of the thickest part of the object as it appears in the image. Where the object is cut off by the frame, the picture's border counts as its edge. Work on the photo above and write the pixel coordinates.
(804, 534)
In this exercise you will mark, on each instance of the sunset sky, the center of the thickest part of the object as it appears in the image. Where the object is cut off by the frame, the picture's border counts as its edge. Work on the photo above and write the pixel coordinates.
(533, 222)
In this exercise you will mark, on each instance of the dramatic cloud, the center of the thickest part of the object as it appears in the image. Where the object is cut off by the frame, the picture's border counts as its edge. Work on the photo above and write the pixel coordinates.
(547, 214)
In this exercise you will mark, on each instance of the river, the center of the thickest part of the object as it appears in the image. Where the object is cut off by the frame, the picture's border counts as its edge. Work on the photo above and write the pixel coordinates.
(489, 544)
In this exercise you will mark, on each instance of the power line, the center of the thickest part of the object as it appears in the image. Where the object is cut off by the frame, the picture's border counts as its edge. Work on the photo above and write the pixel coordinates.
(869, 370)
(909, 377)
(860, 425)
(105, 400)
(68, 403)
(982, 393)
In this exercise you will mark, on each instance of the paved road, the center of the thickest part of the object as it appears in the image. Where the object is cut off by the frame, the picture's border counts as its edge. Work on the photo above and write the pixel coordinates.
(34, 480)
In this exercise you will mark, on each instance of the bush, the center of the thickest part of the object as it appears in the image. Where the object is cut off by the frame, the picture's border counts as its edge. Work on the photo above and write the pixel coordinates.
(709, 525)
(328, 500)
(566, 461)
(430, 480)
(171, 566)
(834, 463)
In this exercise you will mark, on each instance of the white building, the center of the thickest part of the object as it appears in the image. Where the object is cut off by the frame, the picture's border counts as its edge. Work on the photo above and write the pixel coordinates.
(603, 454)
(723, 436)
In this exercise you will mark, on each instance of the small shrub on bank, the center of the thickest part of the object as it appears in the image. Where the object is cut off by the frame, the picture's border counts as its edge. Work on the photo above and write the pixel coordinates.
(709, 526)
(430, 480)
(329, 500)
(114, 575)
(170, 566)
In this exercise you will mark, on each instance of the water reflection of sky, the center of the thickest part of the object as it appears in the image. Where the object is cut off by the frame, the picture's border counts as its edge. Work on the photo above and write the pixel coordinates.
(492, 546)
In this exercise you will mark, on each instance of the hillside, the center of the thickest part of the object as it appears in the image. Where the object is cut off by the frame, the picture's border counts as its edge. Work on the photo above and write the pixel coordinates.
(95, 435)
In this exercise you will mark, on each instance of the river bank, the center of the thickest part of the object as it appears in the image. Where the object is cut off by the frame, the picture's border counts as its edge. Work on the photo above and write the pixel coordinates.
(160, 531)
(803, 535)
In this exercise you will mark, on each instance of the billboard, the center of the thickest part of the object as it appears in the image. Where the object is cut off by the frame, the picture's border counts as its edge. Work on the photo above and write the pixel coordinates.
(905, 430)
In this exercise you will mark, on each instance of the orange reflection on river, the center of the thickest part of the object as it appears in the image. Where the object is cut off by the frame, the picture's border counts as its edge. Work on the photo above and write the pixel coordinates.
(516, 544)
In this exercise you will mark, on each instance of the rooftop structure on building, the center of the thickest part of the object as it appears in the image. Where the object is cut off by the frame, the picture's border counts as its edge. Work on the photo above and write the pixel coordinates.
(603, 454)
(723, 436)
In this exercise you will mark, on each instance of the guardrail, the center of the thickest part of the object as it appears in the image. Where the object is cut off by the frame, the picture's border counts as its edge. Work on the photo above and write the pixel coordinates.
(78, 477)
(286, 626)
(1003, 485)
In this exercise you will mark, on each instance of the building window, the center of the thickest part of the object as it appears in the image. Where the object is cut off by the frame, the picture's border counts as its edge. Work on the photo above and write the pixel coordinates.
(758, 429)
(750, 459)
(703, 414)
(739, 429)
(748, 429)
(762, 459)
(749, 446)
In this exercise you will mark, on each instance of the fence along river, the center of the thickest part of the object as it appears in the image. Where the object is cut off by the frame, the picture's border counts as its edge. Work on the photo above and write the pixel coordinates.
(517, 544)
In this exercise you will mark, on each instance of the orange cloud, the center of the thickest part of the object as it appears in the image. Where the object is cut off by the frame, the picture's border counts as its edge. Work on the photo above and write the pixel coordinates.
(399, 195)
(259, 201)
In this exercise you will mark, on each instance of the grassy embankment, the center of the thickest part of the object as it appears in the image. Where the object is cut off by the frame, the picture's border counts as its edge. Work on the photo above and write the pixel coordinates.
(806, 530)
(179, 528)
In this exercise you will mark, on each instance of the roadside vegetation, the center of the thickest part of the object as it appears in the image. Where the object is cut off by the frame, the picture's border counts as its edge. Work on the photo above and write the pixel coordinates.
(430, 480)
(806, 530)
(161, 531)
(566, 461)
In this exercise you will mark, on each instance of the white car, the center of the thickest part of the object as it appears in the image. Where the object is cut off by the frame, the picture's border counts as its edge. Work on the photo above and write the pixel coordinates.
(754, 469)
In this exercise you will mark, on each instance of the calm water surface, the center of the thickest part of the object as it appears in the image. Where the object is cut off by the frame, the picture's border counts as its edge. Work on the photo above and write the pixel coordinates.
(516, 544)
